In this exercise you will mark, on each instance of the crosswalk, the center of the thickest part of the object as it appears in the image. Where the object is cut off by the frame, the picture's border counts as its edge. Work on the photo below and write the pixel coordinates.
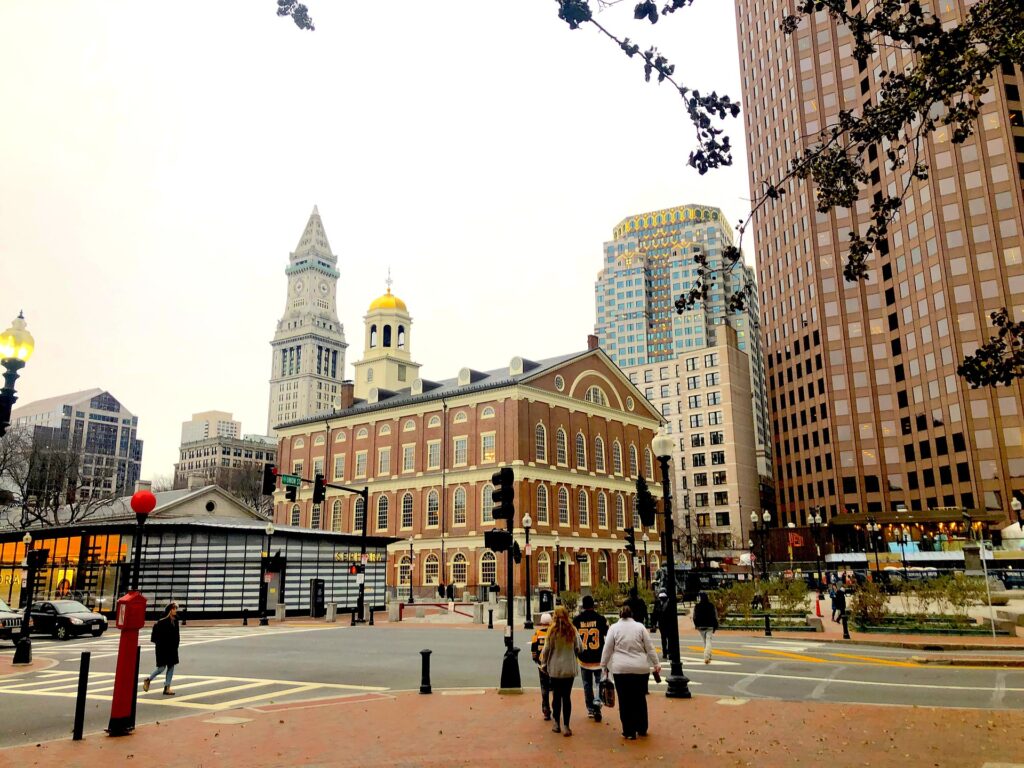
(210, 693)
(106, 646)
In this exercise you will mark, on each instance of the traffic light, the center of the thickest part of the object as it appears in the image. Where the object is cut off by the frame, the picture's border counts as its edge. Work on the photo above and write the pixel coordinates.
(498, 540)
(319, 488)
(290, 492)
(503, 494)
(517, 553)
(630, 540)
(646, 506)
(269, 479)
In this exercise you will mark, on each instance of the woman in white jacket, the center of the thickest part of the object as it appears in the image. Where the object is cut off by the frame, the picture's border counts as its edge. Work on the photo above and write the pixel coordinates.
(629, 656)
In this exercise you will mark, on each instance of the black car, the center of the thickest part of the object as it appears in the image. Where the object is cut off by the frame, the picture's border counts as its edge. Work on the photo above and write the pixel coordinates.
(10, 623)
(66, 618)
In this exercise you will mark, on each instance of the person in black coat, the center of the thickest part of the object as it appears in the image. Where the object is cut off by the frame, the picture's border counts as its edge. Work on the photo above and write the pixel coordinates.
(839, 605)
(661, 620)
(705, 619)
(165, 637)
(637, 606)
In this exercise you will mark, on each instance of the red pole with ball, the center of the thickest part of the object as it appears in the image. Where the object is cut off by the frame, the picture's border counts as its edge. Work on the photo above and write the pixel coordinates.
(131, 616)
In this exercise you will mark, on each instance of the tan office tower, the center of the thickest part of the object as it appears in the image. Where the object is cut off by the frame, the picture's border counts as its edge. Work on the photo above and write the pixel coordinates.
(868, 411)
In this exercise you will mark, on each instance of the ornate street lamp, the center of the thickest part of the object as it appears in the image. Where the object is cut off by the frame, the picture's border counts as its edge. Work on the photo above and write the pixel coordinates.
(34, 559)
(1015, 505)
(527, 523)
(412, 559)
(265, 584)
(874, 532)
(678, 683)
(558, 567)
(16, 347)
(760, 526)
(816, 523)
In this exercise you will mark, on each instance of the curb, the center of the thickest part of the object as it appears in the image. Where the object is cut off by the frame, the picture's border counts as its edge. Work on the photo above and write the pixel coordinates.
(968, 661)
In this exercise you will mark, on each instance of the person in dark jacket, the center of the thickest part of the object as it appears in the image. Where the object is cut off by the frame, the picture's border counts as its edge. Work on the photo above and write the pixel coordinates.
(661, 620)
(540, 635)
(592, 628)
(839, 605)
(705, 619)
(165, 637)
(637, 606)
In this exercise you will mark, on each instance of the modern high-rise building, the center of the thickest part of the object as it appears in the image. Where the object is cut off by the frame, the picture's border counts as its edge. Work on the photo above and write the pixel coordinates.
(210, 424)
(90, 428)
(868, 412)
(647, 265)
(309, 345)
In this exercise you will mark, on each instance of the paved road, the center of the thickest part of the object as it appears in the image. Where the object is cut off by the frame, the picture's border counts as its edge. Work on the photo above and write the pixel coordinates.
(226, 668)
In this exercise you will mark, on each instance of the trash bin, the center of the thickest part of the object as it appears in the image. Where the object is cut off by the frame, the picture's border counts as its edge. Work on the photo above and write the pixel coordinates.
(317, 606)
(546, 601)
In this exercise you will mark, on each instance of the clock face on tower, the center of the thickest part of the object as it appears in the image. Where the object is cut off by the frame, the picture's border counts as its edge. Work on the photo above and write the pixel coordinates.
(299, 285)
(324, 288)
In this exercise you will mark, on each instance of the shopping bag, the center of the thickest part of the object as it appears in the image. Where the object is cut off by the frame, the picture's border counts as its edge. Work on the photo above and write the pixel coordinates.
(607, 692)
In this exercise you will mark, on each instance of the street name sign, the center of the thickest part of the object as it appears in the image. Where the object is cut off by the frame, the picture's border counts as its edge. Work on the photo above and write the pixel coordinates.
(294, 480)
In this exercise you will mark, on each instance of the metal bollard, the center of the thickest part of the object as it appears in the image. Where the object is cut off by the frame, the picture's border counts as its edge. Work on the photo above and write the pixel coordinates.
(490, 618)
(846, 628)
(767, 625)
(353, 617)
(371, 615)
(181, 614)
(83, 688)
(425, 677)
(245, 617)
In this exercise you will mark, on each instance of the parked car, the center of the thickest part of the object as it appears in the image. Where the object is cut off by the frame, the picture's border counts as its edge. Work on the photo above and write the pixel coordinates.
(10, 623)
(1012, 579)
(66, 618)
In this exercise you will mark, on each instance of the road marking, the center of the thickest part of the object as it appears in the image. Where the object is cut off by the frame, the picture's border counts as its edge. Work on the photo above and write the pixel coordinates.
(717, 652)
(796, 656)
(1000, 692)
(873, 660)
(749, 679)
(820, 688)
(228, 720)
(471, 692)
(216, 691)
(753, 677)
(274, 695)
(732, 701)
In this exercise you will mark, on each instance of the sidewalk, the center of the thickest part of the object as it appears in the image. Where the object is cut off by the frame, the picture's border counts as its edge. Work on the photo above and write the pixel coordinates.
(468, 727)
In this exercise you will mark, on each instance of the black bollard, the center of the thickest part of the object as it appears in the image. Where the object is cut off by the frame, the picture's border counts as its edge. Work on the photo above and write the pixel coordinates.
(245, 617)
(490, 618)
(83, 687)
(846, 628)
(767, 625)
(425, 677)
(371, 615)
(181, 614)
(353, 617)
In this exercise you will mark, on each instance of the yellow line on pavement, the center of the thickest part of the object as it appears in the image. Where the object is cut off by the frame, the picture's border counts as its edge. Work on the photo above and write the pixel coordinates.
(873, 660)
(797, 656)
(717, 652)
(271, 695)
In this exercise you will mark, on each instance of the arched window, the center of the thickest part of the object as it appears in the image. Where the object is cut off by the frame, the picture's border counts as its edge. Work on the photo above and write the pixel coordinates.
(459, 569)
(460, 418)
(459, 507)
(407, 511)
(583, 508)
(319, 440)
(314, 517)
(602, 568)
(560, 448)
(488, 568)
(540, 443)
(296, 515)
(369, 374)
(655, 564)
(373, 336)
(385, 429)
(602, 510)
(432, 506)
(487, 413)
(636, 513)
(599, 454)
(409, 426)
(563, 506)
(622, 568)
(401, 337)
(648, 464)
(299, 443)
(362, 433)
(336, 515)
(542, 504)
(435, 421)
(543, 570)
(620, 513)
(581, 451)
(360, 513)
(633, 469)
(382, 512)
(430, 570)
(584, 563)
(340, 437)
(596, 395)
(387, 336)
(616, 458)
(404, 569)
(487, 505)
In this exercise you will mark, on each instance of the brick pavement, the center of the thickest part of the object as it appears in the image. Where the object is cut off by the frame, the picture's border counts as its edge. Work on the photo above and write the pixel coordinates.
(481, 728)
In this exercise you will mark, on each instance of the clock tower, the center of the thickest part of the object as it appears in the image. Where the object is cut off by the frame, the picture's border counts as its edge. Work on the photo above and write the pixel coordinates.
(309, 346)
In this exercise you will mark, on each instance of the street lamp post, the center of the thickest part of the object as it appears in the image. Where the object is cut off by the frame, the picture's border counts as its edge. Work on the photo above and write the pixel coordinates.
(647, 569)
(1015, 505)
(265, 585)
(874, 531)
(750, 546)
(527, 523)
(33, 559)
(411, 569)
(816, 523)
(678, 683)
(558, 567)
(16, 347)
(760, 526)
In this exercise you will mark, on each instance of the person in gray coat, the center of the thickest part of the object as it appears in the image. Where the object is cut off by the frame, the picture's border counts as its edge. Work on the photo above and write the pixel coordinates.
(558, 659)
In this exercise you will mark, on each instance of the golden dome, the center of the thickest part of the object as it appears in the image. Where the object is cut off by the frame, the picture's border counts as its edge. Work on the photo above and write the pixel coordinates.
(387, 301)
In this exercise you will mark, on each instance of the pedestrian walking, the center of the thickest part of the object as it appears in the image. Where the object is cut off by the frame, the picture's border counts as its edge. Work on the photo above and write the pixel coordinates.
(559, 660)
(592, 628)
(628, 657)
(540, 635)
(705, 619)
(839, 605)
(165, 637)
(637, 606)
(662, 621)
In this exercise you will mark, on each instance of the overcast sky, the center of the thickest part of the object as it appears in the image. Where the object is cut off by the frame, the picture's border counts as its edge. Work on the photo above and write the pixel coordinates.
(158, 162)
